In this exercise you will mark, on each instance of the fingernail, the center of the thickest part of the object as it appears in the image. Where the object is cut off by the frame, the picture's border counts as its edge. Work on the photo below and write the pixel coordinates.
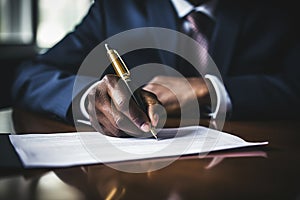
(145, 127)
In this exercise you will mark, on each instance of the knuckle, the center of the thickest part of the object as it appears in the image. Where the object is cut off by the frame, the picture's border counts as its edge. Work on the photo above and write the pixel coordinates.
(150, 86)
(96, 91)
(157, 79)
(106, 78)
(92, 93)
(98, 94)
(109, 79)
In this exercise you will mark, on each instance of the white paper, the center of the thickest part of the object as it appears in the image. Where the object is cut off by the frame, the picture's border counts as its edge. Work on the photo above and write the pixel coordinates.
(80, 148)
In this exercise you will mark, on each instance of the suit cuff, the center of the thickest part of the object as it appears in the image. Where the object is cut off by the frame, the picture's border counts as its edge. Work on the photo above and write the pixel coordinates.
(221, 102)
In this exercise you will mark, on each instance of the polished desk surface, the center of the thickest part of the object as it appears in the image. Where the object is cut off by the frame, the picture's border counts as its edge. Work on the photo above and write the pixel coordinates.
(270, 172)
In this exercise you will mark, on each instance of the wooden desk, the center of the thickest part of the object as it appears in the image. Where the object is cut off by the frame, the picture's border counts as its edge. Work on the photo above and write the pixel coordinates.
(271, 172)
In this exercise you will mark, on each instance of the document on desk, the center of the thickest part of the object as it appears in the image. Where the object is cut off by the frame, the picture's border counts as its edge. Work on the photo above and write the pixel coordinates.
(81, 148)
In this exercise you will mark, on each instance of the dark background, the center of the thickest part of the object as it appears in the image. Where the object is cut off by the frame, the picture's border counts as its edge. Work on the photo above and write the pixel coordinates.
(11, 55)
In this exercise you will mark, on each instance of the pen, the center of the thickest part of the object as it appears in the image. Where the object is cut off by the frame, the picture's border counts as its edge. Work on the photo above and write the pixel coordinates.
(123, 72)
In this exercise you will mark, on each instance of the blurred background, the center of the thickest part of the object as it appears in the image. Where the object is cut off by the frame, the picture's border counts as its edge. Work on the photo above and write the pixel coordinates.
(28, 27)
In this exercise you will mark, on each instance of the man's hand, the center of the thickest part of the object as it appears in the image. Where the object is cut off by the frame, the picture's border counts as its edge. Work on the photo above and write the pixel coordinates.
(113, 112)
(176, 93)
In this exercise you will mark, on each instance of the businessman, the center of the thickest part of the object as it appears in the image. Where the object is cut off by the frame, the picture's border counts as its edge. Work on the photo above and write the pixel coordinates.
(255, 46)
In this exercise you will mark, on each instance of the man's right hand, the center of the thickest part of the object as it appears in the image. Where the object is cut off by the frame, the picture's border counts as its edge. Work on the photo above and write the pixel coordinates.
(113, 112)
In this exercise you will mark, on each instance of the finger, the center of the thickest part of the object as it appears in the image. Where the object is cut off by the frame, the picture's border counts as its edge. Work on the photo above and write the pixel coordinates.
(125, 124)
(162, 93)
(158, 115)
(122, 99)
(110, 98)
(151, 87)
(107, 127)
(98, 119)
(103, 125)
(99, 111)
(113, 122)
(156, 111)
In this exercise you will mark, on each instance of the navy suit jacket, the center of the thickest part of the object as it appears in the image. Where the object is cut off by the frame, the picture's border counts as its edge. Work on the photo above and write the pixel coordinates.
(254, 44)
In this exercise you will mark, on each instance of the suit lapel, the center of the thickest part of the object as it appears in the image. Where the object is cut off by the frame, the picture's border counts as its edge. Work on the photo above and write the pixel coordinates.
(228, 20)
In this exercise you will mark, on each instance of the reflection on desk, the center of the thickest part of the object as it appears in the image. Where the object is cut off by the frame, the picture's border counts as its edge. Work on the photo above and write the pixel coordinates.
(103, 182)
(107, 183)
(270, 172)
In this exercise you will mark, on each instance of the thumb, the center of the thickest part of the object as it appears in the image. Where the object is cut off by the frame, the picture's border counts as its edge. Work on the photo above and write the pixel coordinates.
(156, 112)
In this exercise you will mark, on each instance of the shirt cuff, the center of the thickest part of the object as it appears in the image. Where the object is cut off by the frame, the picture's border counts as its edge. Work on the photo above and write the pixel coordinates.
(83, 102)
(222, 100)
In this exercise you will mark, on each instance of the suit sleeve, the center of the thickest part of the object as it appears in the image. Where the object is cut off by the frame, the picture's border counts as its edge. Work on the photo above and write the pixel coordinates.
(268, 95)
(45, 84)
(263, 82)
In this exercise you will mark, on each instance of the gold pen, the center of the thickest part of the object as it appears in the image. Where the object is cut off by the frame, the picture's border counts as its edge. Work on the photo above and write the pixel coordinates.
(123, 72)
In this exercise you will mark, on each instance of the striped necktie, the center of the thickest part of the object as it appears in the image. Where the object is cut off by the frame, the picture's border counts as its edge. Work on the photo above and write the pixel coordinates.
(198, 26)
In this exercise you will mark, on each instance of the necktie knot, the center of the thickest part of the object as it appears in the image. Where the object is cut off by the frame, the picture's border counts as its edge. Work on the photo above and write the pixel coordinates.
(198, 23)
